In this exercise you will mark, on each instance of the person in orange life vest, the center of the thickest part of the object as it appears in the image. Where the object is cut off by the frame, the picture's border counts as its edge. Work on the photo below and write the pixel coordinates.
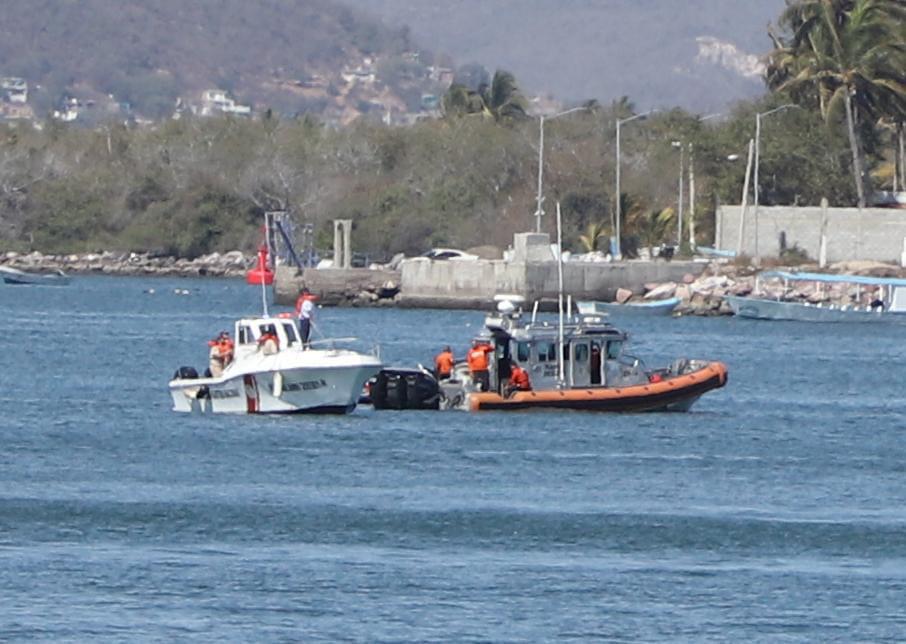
(268, 343)
(216, 361)
(226, 347)
(477, 359)
(443, 363)
(305, 308)
(519, 379)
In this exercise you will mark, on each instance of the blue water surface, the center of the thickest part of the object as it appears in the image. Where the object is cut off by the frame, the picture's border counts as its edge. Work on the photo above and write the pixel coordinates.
(774, 511)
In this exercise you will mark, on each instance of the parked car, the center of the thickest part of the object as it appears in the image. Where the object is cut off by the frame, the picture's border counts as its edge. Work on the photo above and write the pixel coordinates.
(449, 253)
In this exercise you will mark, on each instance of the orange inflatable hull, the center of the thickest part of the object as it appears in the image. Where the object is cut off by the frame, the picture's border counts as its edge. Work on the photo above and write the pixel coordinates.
(675, 392)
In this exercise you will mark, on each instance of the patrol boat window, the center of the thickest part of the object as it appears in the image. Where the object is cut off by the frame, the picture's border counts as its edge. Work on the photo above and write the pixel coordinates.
(523, 351)
(245, 335)
(547, 351)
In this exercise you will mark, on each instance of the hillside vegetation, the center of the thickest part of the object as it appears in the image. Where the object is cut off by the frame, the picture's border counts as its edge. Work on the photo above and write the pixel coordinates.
(149, 53)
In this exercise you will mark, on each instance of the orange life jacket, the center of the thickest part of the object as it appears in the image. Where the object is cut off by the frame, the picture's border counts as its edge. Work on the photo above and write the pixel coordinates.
(478, 358)
(226, 347)
(444, 363)
(519, 379)
(268, 336)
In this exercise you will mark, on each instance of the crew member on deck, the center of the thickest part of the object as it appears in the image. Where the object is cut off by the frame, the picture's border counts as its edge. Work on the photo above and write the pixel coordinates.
(215, 357)
(443, 364)
(477, 358)
(268, 343)
(227, 347)
(519, 379)
(305, 308)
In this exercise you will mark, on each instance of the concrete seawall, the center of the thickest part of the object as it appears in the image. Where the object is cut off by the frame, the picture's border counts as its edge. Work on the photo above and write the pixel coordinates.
(455, 284)
(529, 271)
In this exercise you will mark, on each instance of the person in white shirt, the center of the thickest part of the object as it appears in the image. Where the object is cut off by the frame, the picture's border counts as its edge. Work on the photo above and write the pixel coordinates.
(305, 309)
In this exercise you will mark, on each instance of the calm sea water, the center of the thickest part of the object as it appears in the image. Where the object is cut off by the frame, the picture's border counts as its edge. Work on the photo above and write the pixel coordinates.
(774, 511)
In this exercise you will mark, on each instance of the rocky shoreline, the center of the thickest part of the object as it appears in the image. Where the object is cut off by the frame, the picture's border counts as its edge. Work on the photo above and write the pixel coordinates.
(701, 296)
(231, 264)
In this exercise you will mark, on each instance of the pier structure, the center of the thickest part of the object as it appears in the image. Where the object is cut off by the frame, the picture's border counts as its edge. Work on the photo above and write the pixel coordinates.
(529, 270)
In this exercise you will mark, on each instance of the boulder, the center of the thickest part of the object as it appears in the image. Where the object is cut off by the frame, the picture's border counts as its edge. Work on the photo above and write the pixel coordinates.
(623, 295)
(662, 291)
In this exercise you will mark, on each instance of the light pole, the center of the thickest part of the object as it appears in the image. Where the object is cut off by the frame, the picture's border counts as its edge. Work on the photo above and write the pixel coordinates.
(539, 210)
(692, 184)
(755, 200)
(617, 210)
(679, 196)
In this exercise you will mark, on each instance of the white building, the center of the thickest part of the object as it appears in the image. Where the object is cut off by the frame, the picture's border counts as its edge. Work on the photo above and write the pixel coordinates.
(15, 90)
(218, 101)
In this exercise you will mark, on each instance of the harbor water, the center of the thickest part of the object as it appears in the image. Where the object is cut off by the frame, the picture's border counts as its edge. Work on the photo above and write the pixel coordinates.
(774, 511)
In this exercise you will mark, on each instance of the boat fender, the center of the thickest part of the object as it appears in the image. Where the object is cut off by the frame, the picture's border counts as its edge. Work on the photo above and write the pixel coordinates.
(655, 377)
(278, 384)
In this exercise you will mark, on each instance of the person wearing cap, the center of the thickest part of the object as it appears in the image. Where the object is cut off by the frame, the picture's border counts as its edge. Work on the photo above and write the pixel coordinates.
(443, 364)
(477, 359)
(305, 308)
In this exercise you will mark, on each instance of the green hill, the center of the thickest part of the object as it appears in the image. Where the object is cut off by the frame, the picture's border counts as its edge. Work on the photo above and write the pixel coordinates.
(147, 54)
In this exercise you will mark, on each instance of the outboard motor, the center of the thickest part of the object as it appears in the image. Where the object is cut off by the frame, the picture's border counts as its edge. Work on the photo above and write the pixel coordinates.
(405, 389)
(185, 373)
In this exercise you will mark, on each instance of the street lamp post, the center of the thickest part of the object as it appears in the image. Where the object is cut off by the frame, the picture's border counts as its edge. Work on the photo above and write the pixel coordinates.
(617, 210)
(679, 196)
(755, 199)
(539, 209)
(692, 184)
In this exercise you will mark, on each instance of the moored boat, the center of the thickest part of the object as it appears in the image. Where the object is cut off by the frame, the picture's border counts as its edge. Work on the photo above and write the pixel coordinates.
(51, 278)
(888, 304)
(279, 376)
(643, 308)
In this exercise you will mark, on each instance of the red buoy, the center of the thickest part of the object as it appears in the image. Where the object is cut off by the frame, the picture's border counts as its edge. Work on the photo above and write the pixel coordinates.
(261, 274)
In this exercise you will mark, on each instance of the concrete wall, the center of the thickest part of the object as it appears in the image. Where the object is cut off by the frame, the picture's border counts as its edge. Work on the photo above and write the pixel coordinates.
(456, 284)
(873, 233)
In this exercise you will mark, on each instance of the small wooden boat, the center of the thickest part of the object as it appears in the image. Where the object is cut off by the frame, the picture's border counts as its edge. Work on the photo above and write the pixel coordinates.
(16, 276)
(890, 305)
(644, 307)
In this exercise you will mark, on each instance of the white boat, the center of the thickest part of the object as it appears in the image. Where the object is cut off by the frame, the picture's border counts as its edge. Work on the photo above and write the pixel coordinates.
(654, 307)
(319, 379)
(890, 306)
(16, 276)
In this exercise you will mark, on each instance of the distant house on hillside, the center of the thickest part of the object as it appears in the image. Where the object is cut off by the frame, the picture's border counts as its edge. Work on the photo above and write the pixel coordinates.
(218, 101)
(364, 73)
(14, 89)
(68, 110)
(442, 75)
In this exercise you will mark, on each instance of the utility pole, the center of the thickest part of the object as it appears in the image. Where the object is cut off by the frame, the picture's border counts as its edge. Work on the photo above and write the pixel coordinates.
(691, 199)
(745, 196)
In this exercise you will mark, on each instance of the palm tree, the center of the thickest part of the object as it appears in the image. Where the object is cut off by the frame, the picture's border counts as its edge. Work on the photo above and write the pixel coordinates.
(459, 100)
(851, 54)
(594, 233)
(502, 98)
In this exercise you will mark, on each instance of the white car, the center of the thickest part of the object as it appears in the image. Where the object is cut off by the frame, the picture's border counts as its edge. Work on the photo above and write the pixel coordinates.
(449, 253)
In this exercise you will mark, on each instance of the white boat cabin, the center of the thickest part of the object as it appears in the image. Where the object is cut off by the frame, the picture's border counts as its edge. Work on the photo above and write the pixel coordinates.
(249, 331)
